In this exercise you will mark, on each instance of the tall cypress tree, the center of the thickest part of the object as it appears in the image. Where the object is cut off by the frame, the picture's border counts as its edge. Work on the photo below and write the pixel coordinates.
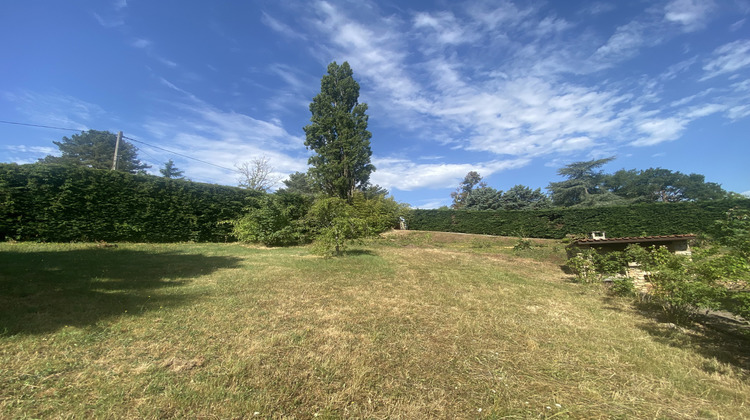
(338, 135)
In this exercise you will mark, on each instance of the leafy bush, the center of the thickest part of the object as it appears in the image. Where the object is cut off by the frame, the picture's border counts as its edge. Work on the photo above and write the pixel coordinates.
(583, 266)
(623, 287)
(275, 220)
(522, 244)
(334, 223)
(591, 265)
(286, 218)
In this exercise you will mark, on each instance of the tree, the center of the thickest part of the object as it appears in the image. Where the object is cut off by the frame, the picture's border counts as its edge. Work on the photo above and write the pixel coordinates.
(483, 198)
(96, 149)
(170, 170)
(374, 191)
(583, 182)
(256, 174)
(338, 135)
(471, 180)
(521, 197)
(299, 183)
(662, 185)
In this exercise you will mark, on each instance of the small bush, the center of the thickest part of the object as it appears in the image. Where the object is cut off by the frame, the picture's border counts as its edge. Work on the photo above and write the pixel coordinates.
(623, 287)
(523, 244)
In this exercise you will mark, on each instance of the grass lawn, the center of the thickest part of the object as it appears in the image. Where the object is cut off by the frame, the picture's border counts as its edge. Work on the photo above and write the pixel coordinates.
(413, 325)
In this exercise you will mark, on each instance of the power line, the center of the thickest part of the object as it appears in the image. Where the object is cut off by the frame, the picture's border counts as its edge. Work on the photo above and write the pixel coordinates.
(125, 137)
(179, 154)
(41, 126)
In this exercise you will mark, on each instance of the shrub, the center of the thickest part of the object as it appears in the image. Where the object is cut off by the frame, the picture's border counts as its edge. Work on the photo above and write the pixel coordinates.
(285, 218)
(275, 220)
(334, 223)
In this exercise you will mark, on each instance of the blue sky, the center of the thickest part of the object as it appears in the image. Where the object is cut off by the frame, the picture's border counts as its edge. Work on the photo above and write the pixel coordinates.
(513, 90)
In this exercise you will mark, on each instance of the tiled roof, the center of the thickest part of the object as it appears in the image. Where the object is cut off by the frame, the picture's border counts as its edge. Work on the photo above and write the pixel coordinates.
(635, 239)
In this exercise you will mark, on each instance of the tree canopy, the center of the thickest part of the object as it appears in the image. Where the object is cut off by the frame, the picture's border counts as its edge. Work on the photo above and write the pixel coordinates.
(521, 197)
(96, 149)
(584, 180)
(170, 170)
(299, 183)
(662, 185)
(471, 180)
(338, 135)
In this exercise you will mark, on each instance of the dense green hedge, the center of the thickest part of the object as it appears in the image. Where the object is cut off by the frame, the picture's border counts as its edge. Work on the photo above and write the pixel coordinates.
(43, 202)
(634, 220)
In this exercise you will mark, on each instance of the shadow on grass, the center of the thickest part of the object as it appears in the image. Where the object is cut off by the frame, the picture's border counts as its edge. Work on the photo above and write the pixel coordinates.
(712, 337)
(46, 290)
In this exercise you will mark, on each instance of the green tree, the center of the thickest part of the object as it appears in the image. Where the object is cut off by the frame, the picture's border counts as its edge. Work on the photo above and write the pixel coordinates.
(521, 197)
(662, 185)
(338, 135)
(334, 224)
(374, 191)
(471, 180)
(170, 170)
(96, 149)
(483, 198)
(299, 183)
(584, 181)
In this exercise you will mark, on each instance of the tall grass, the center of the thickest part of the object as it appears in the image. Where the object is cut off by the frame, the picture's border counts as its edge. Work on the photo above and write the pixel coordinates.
(445, 326)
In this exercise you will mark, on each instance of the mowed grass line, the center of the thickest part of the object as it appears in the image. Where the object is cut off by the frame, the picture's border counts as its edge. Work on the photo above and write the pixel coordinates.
(414, 326)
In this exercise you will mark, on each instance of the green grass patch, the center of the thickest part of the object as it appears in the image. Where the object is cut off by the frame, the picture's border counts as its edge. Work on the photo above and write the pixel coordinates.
(415, 325)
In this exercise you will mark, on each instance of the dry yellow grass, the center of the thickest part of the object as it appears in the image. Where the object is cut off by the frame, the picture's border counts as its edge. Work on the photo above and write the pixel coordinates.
(412, 326)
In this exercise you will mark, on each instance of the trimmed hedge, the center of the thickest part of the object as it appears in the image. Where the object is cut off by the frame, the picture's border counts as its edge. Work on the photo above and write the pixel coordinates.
(634, 220)
(55, 203)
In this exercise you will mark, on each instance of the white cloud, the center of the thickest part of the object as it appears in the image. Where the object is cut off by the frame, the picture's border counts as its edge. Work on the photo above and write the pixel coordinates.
(444, 27)
(739, 112)
(523, 108)
(704, 111)
(728, 58)
(624, 43)
(405, 175)
(691, 14)
(222, 138)
(659, 130)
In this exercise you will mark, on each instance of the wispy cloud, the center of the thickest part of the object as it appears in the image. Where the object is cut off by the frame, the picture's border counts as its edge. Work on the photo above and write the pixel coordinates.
(109, 22)
(141, 43)
(223, 138)
(54, 109)
(524, 108)
(405, 175)
(728, 58)
(120, 4)
(280, 27)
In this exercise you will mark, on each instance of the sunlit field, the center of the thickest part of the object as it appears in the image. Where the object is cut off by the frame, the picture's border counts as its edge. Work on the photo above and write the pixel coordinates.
(412, 325)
